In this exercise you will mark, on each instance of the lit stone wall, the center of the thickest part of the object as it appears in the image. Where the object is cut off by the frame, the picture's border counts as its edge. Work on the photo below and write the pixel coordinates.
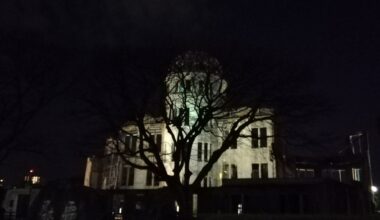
(242, 157)
(245, 155)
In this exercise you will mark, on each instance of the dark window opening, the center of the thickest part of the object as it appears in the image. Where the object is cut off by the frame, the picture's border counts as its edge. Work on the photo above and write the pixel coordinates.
(131, 176)
(127, 142)
(234, 174)
(263, 137)
(123, 177)
(134, 144)
(148, 178)
(206, 152)
(188, 85)
(158, 141)
(199, 151)
(255, 138)
(255, 171)
(264, 170)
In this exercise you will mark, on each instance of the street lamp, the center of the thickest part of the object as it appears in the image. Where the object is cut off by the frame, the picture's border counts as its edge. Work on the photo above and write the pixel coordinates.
(361, 135)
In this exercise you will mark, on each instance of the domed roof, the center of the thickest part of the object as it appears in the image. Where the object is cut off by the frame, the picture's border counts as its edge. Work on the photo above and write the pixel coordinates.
(195, 61)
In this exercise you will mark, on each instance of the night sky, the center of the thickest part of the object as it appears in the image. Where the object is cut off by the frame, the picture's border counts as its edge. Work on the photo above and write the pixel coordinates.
(338, 42)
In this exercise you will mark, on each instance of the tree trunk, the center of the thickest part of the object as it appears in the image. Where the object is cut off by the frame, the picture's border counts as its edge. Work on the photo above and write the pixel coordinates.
(184, 199)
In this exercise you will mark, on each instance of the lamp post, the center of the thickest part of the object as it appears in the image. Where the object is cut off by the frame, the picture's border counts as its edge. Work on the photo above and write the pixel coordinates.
(373, 189)
(369, 180)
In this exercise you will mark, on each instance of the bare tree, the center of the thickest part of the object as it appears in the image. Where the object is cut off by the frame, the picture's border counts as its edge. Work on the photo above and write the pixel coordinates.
(195, 100)
(25, 91)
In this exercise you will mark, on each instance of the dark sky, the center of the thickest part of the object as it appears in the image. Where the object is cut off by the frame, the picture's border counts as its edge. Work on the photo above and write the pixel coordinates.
(338, 41)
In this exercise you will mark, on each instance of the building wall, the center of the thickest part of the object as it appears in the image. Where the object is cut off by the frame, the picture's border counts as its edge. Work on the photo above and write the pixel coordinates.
(243, 157)
(240, 160)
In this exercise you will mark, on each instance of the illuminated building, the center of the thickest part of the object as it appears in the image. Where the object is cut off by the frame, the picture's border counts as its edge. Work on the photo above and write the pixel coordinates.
(250, 157)
(253, 175)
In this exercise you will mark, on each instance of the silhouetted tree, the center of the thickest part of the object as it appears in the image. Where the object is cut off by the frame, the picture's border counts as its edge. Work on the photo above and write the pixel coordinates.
(25, 90)
(196, 82)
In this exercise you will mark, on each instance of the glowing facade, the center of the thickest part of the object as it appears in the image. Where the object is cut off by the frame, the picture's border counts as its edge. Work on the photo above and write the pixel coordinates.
(250, 157)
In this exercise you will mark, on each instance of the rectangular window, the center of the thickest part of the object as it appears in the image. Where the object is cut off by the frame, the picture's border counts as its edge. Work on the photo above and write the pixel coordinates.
(206, 152)
(188, 85)
(127, 142)
(263, 137)
(149, 178)
(131, 176)
(199, 151)
(226, 173)
(134, 144)
(234, 173)
(264, 171)
(209, 151)
(123, 177)
(356, 174)
(255, 171)
(255, 138)
(158, 141)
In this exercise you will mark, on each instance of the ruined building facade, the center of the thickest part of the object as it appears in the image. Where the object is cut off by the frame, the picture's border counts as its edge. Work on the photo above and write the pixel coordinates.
(254, 175)
(250, 157)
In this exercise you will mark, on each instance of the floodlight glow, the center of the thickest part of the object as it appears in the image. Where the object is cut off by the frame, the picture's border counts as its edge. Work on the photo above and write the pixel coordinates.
(374, 189)
(176, 206)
